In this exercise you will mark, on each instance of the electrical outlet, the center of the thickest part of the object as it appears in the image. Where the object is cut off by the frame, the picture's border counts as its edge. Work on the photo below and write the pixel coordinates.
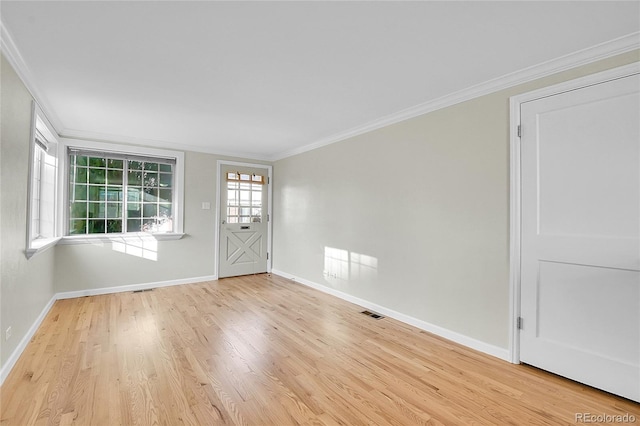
(7, 333)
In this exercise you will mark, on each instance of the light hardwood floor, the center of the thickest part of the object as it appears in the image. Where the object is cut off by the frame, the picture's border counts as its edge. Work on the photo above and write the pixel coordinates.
(261, 350)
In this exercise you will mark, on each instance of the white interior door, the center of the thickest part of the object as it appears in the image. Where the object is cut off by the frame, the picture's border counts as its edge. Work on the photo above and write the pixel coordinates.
(244, 221)
(580, 279)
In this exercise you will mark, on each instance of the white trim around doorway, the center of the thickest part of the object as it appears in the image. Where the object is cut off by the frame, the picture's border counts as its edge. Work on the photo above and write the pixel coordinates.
(515, 201)
(269, 170)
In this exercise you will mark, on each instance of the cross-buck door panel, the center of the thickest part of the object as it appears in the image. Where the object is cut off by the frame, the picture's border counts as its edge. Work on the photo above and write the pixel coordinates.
(244, 221)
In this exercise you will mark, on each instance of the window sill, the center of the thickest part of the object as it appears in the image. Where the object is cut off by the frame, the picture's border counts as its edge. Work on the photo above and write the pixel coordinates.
(103, 238)
(40, 245)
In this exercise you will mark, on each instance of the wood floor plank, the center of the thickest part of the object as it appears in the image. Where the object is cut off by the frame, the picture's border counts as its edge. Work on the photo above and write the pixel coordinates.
(262, 350)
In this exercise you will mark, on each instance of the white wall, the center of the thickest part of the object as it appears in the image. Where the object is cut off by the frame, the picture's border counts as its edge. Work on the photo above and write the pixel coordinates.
(413, 217)
(26, 286)
(94, 266)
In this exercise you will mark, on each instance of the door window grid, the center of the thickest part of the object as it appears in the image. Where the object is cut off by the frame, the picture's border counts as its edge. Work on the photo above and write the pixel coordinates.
(112, 195)
(244, 197)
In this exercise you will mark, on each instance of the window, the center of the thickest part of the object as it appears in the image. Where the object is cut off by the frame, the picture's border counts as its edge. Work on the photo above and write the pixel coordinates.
(244, 197)
(116, 193)
(41, 228)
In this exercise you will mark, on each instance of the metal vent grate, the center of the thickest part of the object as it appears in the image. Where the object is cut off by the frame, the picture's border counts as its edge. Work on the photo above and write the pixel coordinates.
(373, 314)
(140, 291)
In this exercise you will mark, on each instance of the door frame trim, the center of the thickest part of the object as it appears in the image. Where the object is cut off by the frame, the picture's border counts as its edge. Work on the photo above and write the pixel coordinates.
(269, 170)
(515, 213)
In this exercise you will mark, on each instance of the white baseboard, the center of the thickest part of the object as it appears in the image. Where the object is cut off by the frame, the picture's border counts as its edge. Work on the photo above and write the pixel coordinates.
(467, 341)
(133, 287)
(15, 355)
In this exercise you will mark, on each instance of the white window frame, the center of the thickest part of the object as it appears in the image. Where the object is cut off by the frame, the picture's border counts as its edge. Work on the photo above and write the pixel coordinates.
(178, 179)
(39, 124)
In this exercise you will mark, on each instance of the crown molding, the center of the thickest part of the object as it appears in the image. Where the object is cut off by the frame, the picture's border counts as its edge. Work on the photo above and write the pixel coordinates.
(13, 55)
(582, 57)
(154, 143)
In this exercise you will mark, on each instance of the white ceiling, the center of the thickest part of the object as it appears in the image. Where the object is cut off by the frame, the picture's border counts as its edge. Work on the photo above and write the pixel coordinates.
(261, 79)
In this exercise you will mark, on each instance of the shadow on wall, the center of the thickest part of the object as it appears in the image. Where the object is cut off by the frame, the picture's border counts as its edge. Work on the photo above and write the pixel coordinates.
(342, 265)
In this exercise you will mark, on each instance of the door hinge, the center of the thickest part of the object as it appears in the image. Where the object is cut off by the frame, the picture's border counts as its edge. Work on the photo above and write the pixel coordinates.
(268, 180)
(519, 131)
(267, 256)
(268, 217)
(519, 323)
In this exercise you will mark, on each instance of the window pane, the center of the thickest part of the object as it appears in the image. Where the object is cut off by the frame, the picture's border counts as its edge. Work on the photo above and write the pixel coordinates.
(97, 193)
(151, 166)
(96, 226)
(256, 212)
(151, 194)
(245, 197)
(164, 210)
(135, 178)
(96, 210)
(134, 194)
(97, 162)
(232, 211)
(77, 174)
(233, 219)
(134, 210)
(231, 198)
(114, 210)
(150, 179)
(97, 176)
(166, 195)
(166, 168)
(150, 210)
(245, 219)
(135, 165)
(114, 226)
(149, 225)
(245, 211)
(256, 198)
(114, 177)
(114, 193)
(165, 180)
(77, 227)
(80, 160)
(79, 192)
(134, 225)
(115, 164)
(78, 210)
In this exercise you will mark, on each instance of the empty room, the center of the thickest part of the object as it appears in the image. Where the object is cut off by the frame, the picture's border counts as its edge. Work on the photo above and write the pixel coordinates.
(319, 212)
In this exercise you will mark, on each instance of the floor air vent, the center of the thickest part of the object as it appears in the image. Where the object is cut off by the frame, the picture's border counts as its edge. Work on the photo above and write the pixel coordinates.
(372, 314)
(140, 291)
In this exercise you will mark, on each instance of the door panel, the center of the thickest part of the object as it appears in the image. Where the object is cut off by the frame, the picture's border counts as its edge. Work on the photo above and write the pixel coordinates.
(580, 276)
(244, 221)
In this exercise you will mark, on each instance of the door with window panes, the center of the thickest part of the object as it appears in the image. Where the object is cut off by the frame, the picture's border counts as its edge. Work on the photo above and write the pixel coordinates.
(243, 227)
